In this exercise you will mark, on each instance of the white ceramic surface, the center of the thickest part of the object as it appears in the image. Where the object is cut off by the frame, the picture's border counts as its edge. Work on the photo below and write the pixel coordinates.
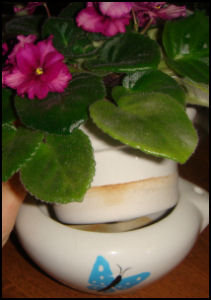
(90, 261)
(127, 184)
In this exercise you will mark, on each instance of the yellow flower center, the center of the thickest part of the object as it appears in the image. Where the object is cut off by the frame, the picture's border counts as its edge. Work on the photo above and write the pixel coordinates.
(39, 71)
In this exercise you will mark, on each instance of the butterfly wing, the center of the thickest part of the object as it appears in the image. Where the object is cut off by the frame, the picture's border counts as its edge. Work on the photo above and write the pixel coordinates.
(101, 275)
(131, 281)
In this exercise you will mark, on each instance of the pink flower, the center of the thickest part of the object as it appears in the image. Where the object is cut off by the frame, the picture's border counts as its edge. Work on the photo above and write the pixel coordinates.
(151, 11)
(6, 65)
(5, 72)
(115, 9)
(172, 11)
(108, 18)
(39, 69)
(23, 40)
(4, 49)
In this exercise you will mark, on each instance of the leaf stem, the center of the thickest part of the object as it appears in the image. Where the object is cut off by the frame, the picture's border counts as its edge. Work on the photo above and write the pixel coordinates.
(147, 26)
(135, 21)
(47, 9)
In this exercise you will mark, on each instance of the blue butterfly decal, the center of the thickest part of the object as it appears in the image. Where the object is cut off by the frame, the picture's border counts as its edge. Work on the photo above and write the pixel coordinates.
(101, 278)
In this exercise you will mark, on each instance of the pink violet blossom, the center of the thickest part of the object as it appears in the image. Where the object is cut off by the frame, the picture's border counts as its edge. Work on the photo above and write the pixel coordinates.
(108, 18)
(7, 67)
(172, 11)
(39, 69)
(11, 59)
(151, 11)
(22, 41)
(115, 9)
(5, 72)
(4, 48)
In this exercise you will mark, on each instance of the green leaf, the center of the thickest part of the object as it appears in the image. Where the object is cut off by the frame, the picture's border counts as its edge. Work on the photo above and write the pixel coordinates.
(196, 93)
(62, 169)
(24, 25)
(154, 123)
(61, 113)
(18, 147)
(120, 91)
(8, 113)
(71, 10)
(127, 52)
(186, 44)
(69, 39)
(154, 81)
(149, 82)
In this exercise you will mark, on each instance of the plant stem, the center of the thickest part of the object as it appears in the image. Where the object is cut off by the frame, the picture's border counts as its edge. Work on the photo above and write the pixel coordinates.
(146, 27)
(47, 9)
(135, 21)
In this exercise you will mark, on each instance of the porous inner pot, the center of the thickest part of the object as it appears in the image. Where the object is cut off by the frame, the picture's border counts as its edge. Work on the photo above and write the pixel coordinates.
(115, 226)
(112, 227)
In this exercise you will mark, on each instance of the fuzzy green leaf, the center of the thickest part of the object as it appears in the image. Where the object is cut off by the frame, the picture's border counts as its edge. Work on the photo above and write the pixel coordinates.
(72, 9)
(61, 113)
(8, 113)
(24, 25)
(62, 169)
(150, 82)
(69, 39)
(186, 44)
(154, 123)
(196, 93)
(127, 52)
(18, 147)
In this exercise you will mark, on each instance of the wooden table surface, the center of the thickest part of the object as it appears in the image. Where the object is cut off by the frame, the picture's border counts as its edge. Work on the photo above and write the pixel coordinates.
(190, 279)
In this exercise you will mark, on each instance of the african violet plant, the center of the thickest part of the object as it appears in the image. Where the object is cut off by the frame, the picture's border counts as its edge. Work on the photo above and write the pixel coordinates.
(130, 67)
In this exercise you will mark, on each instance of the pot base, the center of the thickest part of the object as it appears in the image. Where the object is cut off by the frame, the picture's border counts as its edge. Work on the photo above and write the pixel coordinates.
(118, 262)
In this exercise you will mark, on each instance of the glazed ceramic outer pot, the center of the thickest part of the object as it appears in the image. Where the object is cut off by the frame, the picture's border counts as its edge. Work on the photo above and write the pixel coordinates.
(106, 263)
(127, 185)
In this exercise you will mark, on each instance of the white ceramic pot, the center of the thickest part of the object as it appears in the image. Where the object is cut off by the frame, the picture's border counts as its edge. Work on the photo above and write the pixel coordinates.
(130, 187)
(106, 263)
(127, 184)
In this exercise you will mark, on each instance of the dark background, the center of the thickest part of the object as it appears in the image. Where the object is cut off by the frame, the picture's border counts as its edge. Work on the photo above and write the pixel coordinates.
(56, 6)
